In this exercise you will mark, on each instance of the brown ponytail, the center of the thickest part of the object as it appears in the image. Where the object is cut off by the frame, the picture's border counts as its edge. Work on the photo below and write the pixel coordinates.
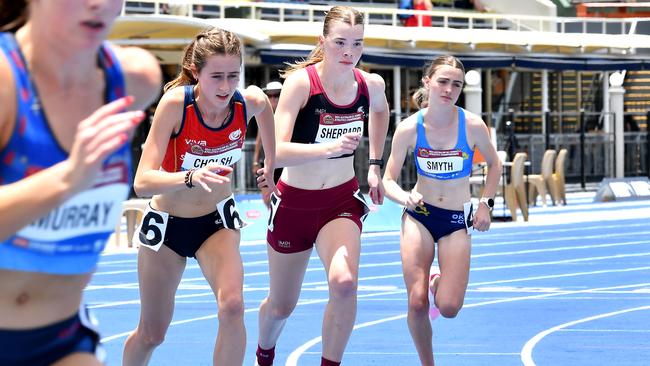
(13, 15)
(212, 41)
(339, 13)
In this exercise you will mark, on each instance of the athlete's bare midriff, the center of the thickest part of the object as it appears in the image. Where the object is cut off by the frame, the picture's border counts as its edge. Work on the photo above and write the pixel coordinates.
(192, 202)
(448, 194)
(32, 300)
(319, 174)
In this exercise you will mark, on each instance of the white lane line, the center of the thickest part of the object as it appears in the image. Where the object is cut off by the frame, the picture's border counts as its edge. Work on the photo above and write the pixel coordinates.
(527, 350)
(292, 360)
(251, 310)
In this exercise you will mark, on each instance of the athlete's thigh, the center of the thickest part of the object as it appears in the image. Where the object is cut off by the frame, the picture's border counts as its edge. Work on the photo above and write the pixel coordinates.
(417, 250)
(454, 252)
(159, 274)
(220, 261)
(339, 244)
(286, 272)
(78, 359)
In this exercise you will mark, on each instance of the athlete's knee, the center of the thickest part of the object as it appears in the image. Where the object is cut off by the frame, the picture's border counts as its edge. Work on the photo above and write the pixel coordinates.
(151, 336)
(280, 310)
(450, 308)
(343, 286)
(231, 307)
(418, 303)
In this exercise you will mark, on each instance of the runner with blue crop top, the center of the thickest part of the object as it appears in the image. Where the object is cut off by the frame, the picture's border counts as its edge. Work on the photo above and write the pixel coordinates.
(64, 168)
(325, 105)
(196, 137)
(438, 209)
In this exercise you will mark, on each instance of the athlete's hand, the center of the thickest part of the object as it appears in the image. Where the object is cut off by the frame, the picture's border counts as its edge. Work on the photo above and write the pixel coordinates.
(98, 136)
(481, 220)
(346, 144)
(414, 199)
(375, 185)
(266, 184)
(212, 173)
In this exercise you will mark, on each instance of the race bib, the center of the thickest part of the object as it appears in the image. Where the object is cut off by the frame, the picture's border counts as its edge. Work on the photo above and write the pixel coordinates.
(333, 125)
(440, 161)
(468, 212)
(230, 157)
(275, 203)
(151, 231)
(230, 215)
(358, 195)
(90, 212)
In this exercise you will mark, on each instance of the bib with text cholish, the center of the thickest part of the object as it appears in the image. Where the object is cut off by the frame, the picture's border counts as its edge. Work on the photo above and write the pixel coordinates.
(199, 157)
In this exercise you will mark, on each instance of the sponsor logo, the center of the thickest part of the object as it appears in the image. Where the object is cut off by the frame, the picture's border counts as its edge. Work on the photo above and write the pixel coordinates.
(235, 135)
(345, 214)
(328, 119)
(318, 111)
(458, 219)
(284, 244)
(196, 149)
(360, 110)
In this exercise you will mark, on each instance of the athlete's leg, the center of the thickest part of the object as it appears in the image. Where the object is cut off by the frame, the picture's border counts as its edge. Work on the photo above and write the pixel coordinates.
(286, 273)
(222, 267)
(78, 359)
(338, 246)
(453, 257)
(417, 249)
(159, 274)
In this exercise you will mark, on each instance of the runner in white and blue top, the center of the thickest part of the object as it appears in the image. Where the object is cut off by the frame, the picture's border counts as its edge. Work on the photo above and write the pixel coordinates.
(438, 209)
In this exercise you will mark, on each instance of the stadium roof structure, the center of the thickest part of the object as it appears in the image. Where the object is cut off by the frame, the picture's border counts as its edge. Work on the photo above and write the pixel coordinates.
(273, 42)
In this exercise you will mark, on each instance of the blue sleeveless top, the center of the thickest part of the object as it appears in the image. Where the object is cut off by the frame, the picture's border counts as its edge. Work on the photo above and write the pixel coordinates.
(69, 239)
(443, 164)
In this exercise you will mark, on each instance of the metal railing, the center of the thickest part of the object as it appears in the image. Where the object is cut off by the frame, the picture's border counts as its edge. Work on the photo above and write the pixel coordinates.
(283, 12)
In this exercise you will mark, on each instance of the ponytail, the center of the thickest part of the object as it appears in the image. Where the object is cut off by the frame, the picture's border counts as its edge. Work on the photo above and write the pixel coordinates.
(13, 15)
(185, 76)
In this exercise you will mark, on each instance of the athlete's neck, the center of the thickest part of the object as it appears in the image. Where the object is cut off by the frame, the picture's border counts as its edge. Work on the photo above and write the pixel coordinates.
(440, 116)
(54, 61)
(332, 79)
(213, 115)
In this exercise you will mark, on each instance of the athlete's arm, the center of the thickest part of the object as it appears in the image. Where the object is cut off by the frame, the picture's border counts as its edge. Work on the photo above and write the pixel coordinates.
(403, 141)
(293, 96)
(149, 178)
(259, 105)
(480, 137)
(377, 130)
(142, 75)
(97, 136)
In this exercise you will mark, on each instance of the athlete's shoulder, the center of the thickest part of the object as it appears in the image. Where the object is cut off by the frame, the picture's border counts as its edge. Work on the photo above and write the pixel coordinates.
(141, 73)
(408, 125)
(174, 97)
(7, 98)
(473, 120)
(374, 81)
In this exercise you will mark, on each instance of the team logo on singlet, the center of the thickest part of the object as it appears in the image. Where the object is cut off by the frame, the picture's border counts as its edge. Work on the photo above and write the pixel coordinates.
(332, 125)
(235, 135)
(196, 149)
(440, 161)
